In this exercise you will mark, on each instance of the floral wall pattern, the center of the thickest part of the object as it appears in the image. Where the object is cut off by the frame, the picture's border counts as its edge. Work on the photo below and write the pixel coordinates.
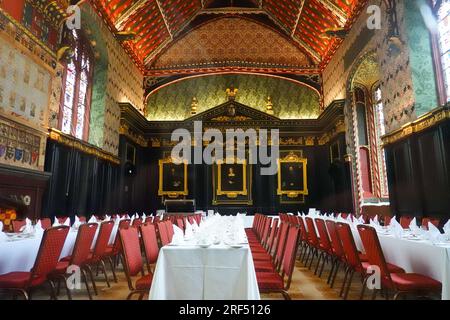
(291, 100)
(117, 79)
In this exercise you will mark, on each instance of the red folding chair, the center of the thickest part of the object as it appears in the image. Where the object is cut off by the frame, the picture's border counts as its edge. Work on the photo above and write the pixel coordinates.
(280, 282)
(405, 221)
(47, 258)
(400, 283)
(17, 225)
(46, 223)
(150, 242)
(163, 233)
(133, 264)
(99, 254)
(80, 254)
(425, 221)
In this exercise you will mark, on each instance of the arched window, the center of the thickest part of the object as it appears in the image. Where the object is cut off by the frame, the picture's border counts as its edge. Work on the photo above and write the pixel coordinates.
(74, 115)
(380, 127)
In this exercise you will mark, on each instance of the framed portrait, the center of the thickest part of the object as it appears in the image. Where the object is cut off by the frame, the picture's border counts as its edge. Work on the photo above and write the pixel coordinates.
(232, 179)
(292, 176)
(335, 151)
(173, 179)
(131, 153)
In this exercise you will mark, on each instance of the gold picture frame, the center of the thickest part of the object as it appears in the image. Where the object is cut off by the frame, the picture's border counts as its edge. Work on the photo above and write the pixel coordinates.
(178, 187)
(290, 187)
(231, 189)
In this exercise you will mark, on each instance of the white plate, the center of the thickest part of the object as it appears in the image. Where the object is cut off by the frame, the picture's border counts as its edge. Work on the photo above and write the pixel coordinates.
(204, 245)
(236, 246)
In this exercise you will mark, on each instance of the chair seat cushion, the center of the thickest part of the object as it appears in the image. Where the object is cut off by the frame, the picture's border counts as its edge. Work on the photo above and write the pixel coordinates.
(415, 282)
(269, 281)
(391, 267)
(264, 266)
(19, 280)
(61, 267)
(261, 256)
(145, 282)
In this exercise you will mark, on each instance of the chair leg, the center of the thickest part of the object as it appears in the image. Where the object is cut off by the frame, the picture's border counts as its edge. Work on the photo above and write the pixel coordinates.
(69, 293)
(318, 262)
(325, 260)
(113, 269)
(92, 279)
(52, 290)
(374, 294)
(286, 295)
(102, 263)
(363, 289)
(86, 283)
(349, 284)
(333, 265)
(336, 270)
(397, 295)
(347, 270)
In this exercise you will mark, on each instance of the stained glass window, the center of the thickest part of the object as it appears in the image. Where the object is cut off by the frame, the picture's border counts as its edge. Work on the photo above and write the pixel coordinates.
(443, 14)
(78, 79)
(381, 131)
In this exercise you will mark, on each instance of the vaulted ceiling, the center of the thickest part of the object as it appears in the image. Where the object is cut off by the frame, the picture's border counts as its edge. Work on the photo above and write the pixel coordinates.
(158, 24)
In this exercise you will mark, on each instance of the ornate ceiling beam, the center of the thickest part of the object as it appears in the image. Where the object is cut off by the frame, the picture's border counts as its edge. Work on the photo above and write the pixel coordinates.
(157, 51)
(158, 2)
(337, 12)
(129, 12)
(232, 10)
(218, 70)
(300, 11)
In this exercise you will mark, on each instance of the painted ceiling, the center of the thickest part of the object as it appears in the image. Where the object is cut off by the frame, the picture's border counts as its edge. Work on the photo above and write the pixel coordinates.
(368, 72)
(160, 23)
(291, 100)
(245, 41)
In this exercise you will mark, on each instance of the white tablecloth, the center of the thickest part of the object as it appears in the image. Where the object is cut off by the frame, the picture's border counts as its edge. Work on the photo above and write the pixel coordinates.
(189, 272)
(20, 255)
(418, 256)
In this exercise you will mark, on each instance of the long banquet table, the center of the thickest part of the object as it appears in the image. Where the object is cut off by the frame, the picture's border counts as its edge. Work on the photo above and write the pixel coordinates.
(20, 254)
(418, 256)
(220, 272)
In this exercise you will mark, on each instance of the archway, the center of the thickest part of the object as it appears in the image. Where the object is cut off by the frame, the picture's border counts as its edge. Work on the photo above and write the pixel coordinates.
(366, 125)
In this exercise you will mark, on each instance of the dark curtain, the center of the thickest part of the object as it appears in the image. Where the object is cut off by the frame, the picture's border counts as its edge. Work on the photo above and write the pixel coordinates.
(81, 184)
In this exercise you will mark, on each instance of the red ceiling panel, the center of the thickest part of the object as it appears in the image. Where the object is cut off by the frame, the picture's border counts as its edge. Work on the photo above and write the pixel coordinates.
(156, 22)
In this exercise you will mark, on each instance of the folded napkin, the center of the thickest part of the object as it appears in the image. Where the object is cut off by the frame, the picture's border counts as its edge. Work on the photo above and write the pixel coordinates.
(107, 218)
(361, 219)
(144, 217)
(376, 220)
(56, 223)
(434, 233)
(77, 222)
(413, 225)
(178, 236)
(38, 228)
(93, 219)
(3, 236)
(28, 227)
(447, 228)
(67, 222)
(311, 212)
(396, 228)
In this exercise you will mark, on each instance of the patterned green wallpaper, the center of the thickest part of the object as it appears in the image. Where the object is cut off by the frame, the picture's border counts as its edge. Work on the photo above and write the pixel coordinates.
(420, 59)
(97, 115)
(290, 100)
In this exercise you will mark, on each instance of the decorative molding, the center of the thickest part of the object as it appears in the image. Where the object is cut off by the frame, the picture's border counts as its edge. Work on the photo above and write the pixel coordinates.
(426, 121)
(133, 136)
(82, 146)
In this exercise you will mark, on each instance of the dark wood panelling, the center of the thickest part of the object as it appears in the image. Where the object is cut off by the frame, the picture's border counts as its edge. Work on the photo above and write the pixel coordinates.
(418, 173)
